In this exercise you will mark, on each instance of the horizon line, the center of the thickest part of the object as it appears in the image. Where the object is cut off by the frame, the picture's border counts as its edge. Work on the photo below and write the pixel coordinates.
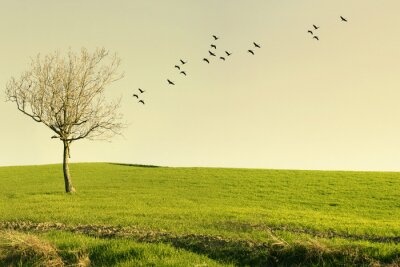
(202, 167)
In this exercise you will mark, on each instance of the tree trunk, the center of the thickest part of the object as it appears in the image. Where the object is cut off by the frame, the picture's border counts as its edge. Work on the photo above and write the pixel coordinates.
(67, 178)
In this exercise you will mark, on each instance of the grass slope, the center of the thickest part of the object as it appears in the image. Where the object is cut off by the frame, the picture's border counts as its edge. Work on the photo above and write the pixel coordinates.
(331, 211)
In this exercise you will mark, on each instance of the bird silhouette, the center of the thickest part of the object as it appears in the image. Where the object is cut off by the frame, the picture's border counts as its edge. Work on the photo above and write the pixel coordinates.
(227, 53)
(316, 38)
(343, 19)
(311, 32)
(250, 51)
(206, 60)
(135, 95)
(183, 62)
(211, 53)
(141, 91)
(141, 101)
(176, 66)
(184, 73)
(214, 46)
(170, 82)
(256, 45)
(222, 58)
(315, 27)
(215, 37)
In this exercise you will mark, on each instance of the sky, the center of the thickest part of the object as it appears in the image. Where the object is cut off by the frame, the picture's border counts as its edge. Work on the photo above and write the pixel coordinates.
(298, 103)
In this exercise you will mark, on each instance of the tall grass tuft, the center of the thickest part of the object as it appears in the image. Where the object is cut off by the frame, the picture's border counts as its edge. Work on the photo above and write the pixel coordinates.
(25, 249)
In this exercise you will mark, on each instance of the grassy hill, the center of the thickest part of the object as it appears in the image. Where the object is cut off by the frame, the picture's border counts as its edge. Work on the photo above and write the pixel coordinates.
(210, 216)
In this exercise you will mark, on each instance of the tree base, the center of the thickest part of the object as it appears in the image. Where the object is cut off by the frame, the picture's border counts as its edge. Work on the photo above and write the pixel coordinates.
(71, 190)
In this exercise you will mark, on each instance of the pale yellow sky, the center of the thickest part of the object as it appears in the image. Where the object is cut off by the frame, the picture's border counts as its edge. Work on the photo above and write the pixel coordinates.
(297, 104)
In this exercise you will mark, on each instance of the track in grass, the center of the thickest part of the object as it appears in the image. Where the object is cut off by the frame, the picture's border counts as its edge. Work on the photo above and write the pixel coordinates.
(276, 251)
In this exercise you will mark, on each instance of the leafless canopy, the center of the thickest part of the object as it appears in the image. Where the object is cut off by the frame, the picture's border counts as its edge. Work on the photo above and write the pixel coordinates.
(67, 94)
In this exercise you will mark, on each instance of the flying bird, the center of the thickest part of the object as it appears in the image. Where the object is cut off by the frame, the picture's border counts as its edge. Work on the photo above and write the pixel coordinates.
(214, 46)
(184, 73)
(227, 53)
(141, 91)
(311, 32)
(343, 19)
(170, 82)
(183, 62)
(250, 51)
(211, 53)
(315, 27)
(135, 95)
(206, 60)
(215, 37)
(222, 58)
(256, 45)
(176, 66)
(316, 38)
(141, 101)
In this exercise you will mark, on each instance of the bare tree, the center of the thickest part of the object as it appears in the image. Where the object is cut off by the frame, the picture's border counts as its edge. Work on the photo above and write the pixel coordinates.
(67, 95)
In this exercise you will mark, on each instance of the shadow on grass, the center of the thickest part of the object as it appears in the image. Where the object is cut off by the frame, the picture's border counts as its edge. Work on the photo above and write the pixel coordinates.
(135, 165)
(246, 253)
(109, 255)
(45, 193)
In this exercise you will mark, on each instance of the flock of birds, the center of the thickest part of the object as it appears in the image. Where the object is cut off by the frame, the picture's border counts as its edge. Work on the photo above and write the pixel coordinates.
(137, 96)
(343, 19)
(179, 68)
(212, 52)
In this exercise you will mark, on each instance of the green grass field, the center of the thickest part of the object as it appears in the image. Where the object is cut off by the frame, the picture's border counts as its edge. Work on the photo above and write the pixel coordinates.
(206, 216)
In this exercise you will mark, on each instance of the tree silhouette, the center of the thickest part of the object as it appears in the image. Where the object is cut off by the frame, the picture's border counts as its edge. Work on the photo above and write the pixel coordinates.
(66, 93)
